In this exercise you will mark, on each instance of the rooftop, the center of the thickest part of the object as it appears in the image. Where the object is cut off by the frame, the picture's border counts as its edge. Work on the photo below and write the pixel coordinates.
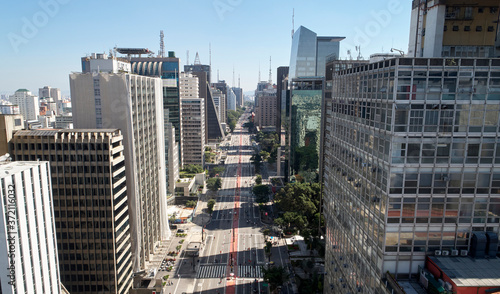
(470, 272)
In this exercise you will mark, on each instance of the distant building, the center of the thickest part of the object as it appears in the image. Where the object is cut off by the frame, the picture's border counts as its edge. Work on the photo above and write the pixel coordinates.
(231, 99)
(28, 103)
(120, 100)
(266, 110)
(309, 53)
(172, 159)
(64, 121)
(223, 88)
(454, 29)
(28, 251)
(213, 129)
(219, 100)
(9, 109)
(239, 96)
(54, 93)
(90, 204)
(193, 120)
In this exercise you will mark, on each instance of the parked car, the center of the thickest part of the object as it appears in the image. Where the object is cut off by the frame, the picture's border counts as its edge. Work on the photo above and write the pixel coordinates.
(180, 231)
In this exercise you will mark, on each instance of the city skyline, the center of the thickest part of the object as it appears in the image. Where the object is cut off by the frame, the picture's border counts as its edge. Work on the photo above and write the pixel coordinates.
(49, 36)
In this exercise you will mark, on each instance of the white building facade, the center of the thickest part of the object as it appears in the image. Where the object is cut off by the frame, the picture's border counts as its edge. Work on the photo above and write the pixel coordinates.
(28, 251)
(133, 104)
(28, 103)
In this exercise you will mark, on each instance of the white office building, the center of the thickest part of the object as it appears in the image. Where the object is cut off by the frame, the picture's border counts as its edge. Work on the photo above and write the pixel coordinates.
(28, 251)
(188, 86)
(133, 104)
(28, 103)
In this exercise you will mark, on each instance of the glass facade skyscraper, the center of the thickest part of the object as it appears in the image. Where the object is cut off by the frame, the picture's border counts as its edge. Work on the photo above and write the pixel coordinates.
(411, 165)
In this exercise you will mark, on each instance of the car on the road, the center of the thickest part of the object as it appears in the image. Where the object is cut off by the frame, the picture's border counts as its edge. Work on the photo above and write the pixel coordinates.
(180, 231)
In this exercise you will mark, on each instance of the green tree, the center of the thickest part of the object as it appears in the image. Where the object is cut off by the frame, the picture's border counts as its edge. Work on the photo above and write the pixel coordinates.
(191, 203)
(258, 179)
(193, 169)
(261, 193)
(218, 170)
(264, 155)
(275, 276)
(210, 205)
(214, 184)
(298, 205)
(256, 160)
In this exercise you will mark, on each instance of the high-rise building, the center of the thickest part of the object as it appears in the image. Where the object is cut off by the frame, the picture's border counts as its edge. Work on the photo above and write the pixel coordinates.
(281, 94)
(231, 99)
(239, 96)
(219, 99)
(90, 204)
(173, 158)
(223, 88)
(213, 128)
(134, 104)
(188, 85)
(265, 111)
(193, 120)
(309, 53)
(54, 93)
(9, 123)
(409, 164)
(168, 69)
(454, 29)
(28, 103)
(28, 251)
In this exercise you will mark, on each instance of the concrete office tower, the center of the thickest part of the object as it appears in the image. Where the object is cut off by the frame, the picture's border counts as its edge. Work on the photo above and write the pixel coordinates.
(54, 93)
(281, 96)
(28, 251)
(9, 123)
(219, 101)
(28, 103)
(193, 120)
(410, 166)
(90, 204)
(309, 53)
(239, 96)
(231, 99)
(454, 28)
(265, 111)
(213, 128)
(223, 88)
(173, 158)
(133, 104)
(168, 69)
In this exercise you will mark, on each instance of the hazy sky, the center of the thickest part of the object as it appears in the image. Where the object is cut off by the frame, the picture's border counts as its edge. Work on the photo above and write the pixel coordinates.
(42, 41)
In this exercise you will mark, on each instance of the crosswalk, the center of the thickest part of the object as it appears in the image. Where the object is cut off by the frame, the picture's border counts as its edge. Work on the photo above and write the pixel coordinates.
(211, 271)
(249, 271)
(217, 271)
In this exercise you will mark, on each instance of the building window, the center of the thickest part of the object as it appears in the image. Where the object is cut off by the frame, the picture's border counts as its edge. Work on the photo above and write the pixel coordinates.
(479, 29)
(467, 28)
(445, 28)
(493, 9)
(480, 10)
(491, 29)
(455, 28)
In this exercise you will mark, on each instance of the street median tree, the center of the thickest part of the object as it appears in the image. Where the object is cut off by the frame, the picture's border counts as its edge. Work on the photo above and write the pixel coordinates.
(261, 193)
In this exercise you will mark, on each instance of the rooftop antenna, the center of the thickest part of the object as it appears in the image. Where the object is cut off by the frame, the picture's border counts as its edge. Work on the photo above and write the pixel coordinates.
(293, 22)
(259, 72)
(233, 77)
(358, 49)
(349, 54)
(162, 44)
(187, 57)
(270, 72)
(197, 59)
(210, 58)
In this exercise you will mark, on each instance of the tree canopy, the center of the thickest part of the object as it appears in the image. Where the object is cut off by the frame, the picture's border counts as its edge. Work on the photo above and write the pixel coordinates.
(299, 208)
(261, 193)
(258, 179)
(275, 276)
(193, 169)
(214, 184)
